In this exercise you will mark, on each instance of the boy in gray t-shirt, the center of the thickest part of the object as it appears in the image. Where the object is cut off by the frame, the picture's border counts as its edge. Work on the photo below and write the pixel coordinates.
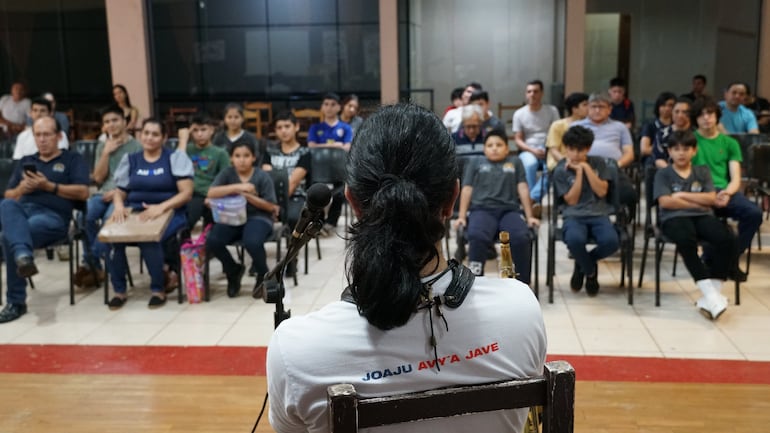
(496, 194)
(581, 185)
(685, 194)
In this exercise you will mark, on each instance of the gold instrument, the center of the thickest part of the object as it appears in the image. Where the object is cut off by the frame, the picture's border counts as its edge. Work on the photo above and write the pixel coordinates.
(506, 261)
(507, 270)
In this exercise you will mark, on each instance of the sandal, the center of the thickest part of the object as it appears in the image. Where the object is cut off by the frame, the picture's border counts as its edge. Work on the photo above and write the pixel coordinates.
(156, 302)
(116, 303)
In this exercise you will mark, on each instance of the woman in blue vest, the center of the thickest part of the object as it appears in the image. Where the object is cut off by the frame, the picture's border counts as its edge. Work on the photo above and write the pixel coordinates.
(152, 182)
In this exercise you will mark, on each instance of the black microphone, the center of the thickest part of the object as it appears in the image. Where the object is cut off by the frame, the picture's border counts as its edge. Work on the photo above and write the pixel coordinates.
(318, 196)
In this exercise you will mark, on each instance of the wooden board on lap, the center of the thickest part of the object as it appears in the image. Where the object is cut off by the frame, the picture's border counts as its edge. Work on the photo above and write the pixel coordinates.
(135, 230)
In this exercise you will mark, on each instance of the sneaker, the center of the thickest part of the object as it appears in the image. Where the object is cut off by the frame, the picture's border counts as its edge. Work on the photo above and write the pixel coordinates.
(12, 312)
(592, 284)
(576, 282)
(712, 307)
(116, 303)
(234, 281)
(537, 210)
(156, 302)
(25, 266)
(63, 252)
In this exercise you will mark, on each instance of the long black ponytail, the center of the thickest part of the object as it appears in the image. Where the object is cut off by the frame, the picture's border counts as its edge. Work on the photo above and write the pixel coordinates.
(402, 172)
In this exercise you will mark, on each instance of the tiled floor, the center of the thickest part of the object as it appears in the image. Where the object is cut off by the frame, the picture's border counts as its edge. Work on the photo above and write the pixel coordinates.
(576, 324)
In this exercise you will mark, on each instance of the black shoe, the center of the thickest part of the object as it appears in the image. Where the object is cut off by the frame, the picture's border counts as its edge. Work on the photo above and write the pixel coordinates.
(491, 253)
(116, 303)
(156, 302)
(25, 266)
(576, 282)
(12, 312)
(234, 281)
(592, 284)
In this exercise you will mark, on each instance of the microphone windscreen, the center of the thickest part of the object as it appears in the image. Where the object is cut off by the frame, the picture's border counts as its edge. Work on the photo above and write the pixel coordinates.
(318, 196)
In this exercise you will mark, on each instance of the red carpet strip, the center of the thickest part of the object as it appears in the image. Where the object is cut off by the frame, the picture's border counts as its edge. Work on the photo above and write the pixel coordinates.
(250, 361)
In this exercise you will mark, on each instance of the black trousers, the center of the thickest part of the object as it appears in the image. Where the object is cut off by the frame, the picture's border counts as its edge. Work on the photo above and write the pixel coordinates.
(685, 232)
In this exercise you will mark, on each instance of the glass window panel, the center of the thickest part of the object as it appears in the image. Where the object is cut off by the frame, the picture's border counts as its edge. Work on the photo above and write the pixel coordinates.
(359, 58)
(302, 12)
(31, 15)
(303, 59)
(230, 13)
(359, 11)
(176, 70)
(235, 61)
(174, 13)
(83, 14)
(88, 63)
(37, 57)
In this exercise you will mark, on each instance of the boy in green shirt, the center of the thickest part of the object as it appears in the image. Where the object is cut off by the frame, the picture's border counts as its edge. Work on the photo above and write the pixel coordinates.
(208, 162)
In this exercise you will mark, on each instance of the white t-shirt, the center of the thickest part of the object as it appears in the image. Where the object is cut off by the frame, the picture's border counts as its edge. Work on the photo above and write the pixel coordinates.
(13, 111)
(25, 144)
(496, 334)
(534, 124)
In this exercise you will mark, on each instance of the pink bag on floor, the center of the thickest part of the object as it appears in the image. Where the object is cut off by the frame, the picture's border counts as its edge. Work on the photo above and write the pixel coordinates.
(192, 256)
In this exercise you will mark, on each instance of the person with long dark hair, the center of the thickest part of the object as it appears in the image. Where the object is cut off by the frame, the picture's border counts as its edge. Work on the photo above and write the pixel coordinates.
(120, 97)
(409, 320)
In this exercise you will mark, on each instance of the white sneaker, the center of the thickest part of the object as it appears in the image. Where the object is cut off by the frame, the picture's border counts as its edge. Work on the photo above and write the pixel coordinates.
(712, 307)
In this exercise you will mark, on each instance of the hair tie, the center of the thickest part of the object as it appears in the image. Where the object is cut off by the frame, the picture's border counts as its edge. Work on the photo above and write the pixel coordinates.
(387, 180)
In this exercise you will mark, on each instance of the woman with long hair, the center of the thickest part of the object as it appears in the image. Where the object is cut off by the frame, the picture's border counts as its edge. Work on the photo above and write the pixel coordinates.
(120, 97)
(409, 320)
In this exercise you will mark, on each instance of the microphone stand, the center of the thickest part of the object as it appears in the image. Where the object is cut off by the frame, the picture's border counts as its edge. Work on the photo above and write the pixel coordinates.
(273, 287)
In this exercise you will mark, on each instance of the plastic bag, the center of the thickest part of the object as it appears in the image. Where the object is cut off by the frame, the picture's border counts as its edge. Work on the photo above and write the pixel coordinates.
(192, 255)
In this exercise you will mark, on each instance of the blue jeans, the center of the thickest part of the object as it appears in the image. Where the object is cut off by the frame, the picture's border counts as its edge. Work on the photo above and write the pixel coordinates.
(536, 186)
(748, 215)
(29, 226)
(576, 233)
(97, 212)
(153, 257)
(253, 235)
(484, 226)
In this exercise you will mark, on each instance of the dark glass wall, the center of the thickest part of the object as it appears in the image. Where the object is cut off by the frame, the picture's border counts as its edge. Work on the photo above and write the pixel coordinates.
(217, 50)
(56, 45)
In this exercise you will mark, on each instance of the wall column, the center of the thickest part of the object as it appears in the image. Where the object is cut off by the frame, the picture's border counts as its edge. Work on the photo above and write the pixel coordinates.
(130, 51)
(574, 46)
(389, 91)
(763, 60)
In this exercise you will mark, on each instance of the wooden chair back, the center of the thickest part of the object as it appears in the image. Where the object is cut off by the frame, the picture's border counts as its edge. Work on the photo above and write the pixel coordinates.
(305, 118)
(554, 391)
(258, 116)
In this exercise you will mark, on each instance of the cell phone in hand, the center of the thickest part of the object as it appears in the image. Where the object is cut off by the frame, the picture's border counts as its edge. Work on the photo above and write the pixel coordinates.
(30, 167)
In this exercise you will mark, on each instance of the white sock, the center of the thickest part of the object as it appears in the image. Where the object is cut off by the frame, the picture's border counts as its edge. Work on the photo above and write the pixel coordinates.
(707, 287)
(717, 283)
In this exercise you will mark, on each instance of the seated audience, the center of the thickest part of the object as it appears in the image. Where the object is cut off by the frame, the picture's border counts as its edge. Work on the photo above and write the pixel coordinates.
(402, 185)
(99, 208)
(611, 140)
(530, 126)
(685, 195)
(243, 178)
(37, 209)
(680, 121)
(208, 161)
(233, 128)
(761, 109)
(663, 110)
(737, 119)
(582, 182)
(495, 197)
(331, 132)
(25, 141)
(469, 139)
(457, 100)
(722, 155)
(151, 182)
(489, 122)
(349, 113)
(131, 113)
(13, 108)
(60, 116)
(453, 118)
(622, 107)
(576, 105)
(698, 88)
